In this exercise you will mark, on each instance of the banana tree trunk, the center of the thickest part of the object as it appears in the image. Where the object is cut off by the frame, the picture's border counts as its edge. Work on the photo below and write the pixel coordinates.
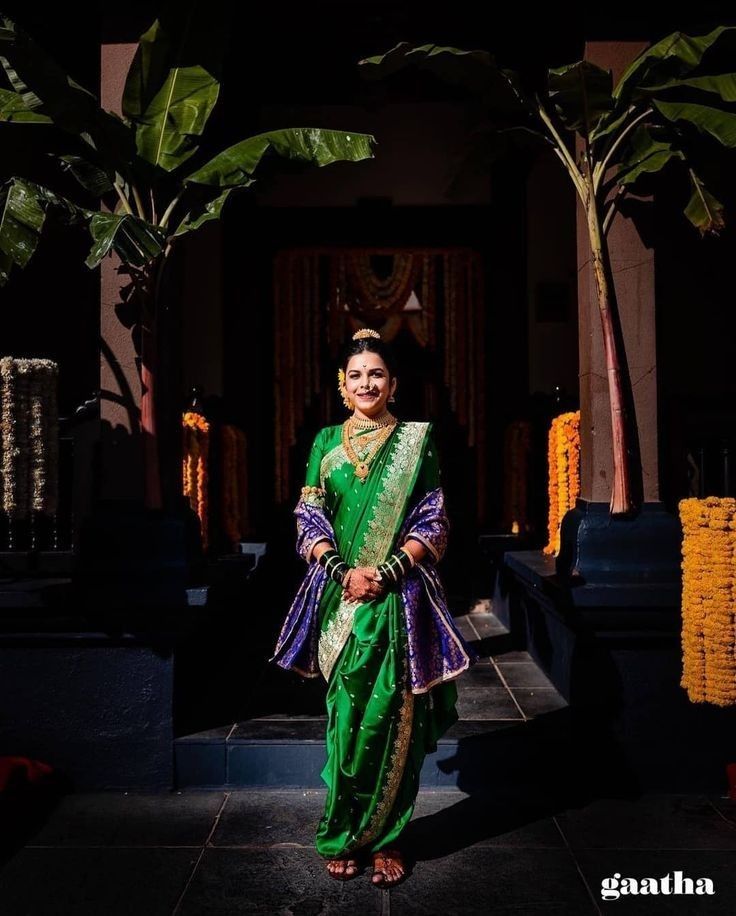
(149, 427)
(622, 500)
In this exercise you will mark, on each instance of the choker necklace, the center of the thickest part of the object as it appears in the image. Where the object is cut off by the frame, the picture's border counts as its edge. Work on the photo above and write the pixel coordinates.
(386, 419)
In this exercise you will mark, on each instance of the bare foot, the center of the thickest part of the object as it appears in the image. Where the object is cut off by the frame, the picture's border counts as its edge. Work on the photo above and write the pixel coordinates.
(342, 869)
(388, 867)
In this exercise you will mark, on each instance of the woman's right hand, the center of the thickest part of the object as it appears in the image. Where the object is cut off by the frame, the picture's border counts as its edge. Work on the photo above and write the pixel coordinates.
(362, 584)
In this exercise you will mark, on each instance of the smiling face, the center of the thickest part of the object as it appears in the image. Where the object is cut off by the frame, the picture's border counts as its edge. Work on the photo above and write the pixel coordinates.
(368, 384)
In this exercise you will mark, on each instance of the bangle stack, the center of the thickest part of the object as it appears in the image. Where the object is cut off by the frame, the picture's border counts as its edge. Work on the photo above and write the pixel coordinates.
(396, 567)
(334, 565)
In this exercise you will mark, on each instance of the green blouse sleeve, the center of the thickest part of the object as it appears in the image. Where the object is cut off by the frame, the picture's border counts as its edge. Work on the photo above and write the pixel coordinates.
(429, 473)
(315, 460)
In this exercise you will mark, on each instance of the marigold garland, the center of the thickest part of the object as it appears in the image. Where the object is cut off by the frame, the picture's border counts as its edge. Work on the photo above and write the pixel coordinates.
(563, 451)
(195, 455)
(709, 599)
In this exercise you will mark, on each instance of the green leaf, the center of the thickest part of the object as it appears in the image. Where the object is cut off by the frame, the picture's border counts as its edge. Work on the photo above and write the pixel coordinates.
(476, 71)
(716, 122)
(581, 94)
(21, 220)
(675, 56)
(203, 213)
(172, 87)
(6, 263)
(134, 240)
(47, 90)
(704, 210)
(13, 110)
(649, 150)
(90, 176)
(723, 85)
(234, 166)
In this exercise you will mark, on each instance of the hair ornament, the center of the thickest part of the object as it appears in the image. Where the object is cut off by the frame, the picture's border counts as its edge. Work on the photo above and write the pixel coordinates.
(366, 332)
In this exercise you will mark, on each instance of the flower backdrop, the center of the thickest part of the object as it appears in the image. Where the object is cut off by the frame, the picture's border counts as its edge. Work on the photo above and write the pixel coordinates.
(323, 295)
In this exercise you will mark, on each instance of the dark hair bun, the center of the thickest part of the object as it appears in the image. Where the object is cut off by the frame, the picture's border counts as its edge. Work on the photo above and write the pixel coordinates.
(364, 342)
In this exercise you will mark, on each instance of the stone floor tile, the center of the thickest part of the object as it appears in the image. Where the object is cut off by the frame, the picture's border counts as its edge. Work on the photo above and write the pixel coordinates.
(650, 822)
(538, 700)
(283, 881)
(487, 702)
(480, 881)
(131, 819)
(94, 882)
(524, 674)
(267, 818)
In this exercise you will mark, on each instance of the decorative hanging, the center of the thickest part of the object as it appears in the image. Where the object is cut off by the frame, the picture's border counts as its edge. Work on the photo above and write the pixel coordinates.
(234, 484)
(195, 456)
(564, 473)
(709, 599)
(29, 441)
(516, 456)
(323, 295)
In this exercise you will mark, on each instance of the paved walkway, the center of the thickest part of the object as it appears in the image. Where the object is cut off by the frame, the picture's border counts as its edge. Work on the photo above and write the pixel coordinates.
(218, 853)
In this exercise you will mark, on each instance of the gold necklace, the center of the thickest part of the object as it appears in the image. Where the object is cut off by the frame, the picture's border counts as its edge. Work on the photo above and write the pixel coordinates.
(362, 467)
(386, 419)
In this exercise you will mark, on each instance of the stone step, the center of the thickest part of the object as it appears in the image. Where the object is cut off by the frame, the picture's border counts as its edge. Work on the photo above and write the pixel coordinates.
(504, 690)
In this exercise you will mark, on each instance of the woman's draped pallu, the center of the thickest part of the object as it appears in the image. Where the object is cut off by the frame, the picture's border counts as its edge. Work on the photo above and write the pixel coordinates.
(387, 661)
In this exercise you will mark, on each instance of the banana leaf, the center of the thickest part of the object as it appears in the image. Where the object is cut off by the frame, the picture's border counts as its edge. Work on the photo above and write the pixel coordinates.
(14, 111)
(46, 90)
(649, 150)
(234, 166)
(476, 71)
(704, 210)
(91, 177)
(21, 220)
(6, 264)
(675, 56)
(722, 84)
(202, 213)
(581, 94)
(717, 122)
(169, 94)
(134, 240)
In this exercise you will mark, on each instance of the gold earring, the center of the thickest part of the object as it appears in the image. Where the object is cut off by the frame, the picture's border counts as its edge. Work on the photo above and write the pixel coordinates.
(346, 399)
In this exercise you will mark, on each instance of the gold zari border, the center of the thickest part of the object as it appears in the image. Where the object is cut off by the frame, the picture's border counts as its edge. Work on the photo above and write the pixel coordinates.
(379, 534)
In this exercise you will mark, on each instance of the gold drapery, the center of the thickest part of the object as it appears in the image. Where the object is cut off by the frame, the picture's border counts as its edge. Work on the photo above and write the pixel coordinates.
(323, 295)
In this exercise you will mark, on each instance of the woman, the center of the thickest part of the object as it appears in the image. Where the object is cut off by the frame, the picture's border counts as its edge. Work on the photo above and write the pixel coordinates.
(371, 614)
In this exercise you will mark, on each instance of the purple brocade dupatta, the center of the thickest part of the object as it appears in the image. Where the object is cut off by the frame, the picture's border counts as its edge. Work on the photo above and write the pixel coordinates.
(437, 652)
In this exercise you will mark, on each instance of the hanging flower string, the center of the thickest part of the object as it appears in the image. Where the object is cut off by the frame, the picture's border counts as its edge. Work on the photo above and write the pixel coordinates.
(563, 452)
(234, 478)
(195, 455)
(709, 599)
(29, 446)
(517, 444)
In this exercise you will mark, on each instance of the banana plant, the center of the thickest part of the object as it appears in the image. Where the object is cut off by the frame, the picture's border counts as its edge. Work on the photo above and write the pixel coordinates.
(673, 108)
(143, 180)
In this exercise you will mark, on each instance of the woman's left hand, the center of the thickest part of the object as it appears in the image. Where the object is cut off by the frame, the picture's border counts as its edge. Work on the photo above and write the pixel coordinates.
(362, 584)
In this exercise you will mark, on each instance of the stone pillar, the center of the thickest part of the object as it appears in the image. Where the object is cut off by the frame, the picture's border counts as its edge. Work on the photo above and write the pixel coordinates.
(633, 274)
(121, 465)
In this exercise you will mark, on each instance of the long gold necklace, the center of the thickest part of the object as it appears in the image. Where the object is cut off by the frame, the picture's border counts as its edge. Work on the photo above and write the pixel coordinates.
(381, 434)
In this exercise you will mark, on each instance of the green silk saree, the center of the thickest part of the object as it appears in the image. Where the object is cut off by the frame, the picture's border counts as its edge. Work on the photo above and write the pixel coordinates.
(378, 731)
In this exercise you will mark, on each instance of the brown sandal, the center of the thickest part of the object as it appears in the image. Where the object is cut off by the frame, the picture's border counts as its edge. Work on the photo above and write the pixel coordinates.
(385, 861)
(347, 862)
